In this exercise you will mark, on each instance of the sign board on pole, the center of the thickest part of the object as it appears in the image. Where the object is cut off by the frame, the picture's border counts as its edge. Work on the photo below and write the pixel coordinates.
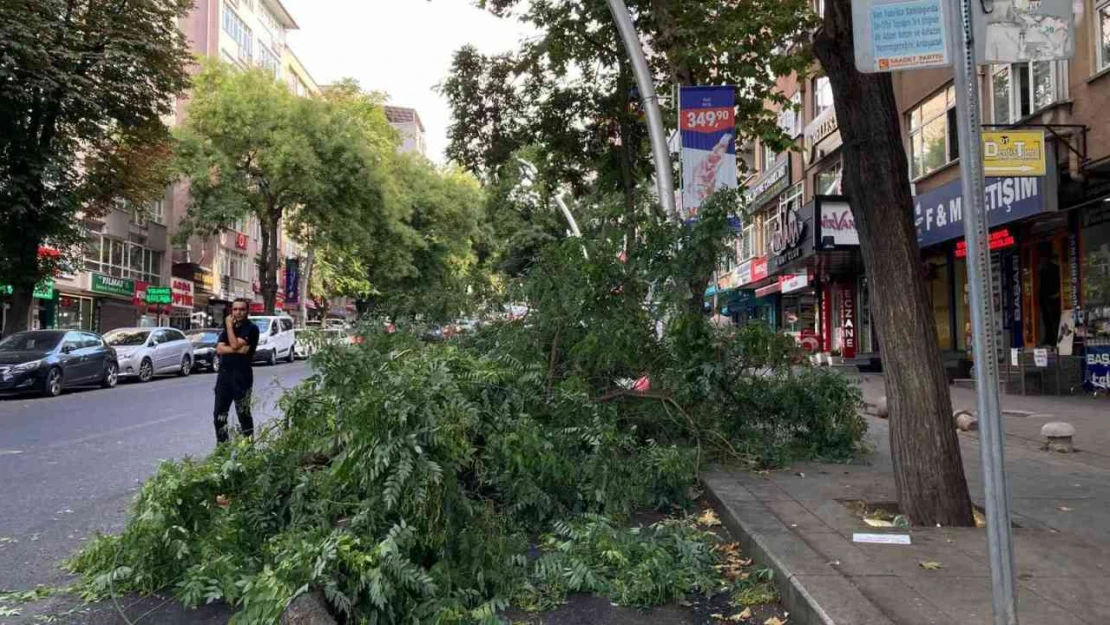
(1013, 153)
(893, 35)
(161, 295)
(1019, 31)
(707, 121)
(1015, 357)
(1040, 357)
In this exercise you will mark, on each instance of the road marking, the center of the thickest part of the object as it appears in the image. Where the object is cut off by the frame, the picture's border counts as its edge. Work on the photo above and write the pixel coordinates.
(130, 428)
(9, 452)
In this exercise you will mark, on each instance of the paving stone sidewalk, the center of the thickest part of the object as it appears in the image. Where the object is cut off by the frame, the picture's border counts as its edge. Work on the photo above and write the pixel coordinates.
(795, 521)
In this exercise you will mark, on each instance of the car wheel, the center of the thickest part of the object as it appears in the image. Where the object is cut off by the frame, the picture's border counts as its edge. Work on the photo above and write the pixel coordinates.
(146, 370)
(271, 360)
(52, 384)
(111, 375)
(291, 357)
(186, 366)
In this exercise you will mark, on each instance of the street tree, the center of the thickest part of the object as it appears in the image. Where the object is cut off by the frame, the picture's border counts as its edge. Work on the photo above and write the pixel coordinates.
(250, 148)
(82, 93)
(928, 471)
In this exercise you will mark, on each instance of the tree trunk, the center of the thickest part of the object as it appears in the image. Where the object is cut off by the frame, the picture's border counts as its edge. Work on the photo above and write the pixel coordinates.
(20, 307)
(928, 470)
(270, 254)
(306, 275)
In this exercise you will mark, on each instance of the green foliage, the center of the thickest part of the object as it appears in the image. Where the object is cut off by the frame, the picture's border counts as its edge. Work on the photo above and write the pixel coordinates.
(81, 96)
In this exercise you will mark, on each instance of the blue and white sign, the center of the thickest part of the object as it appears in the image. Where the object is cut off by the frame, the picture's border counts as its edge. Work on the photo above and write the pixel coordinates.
(939, 214)
(1097, 374)
(895, 35)
(707, 121)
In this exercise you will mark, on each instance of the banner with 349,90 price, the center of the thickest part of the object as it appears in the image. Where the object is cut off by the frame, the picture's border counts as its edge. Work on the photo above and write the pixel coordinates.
(707, 120)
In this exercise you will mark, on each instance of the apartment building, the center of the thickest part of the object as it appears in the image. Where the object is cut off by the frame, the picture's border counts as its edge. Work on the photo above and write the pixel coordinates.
(408, 124)
(798, 265)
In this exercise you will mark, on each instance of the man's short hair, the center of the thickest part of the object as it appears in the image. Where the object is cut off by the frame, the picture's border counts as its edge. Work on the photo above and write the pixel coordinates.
(241, 299)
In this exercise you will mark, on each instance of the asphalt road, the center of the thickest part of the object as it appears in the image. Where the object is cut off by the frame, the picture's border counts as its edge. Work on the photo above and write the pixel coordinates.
(70, 465)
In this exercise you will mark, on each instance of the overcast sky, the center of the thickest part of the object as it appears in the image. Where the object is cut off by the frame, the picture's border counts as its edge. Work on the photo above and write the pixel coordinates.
(402, 47)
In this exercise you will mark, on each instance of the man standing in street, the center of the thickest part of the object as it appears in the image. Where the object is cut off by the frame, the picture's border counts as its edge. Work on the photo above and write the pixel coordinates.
(234, 382)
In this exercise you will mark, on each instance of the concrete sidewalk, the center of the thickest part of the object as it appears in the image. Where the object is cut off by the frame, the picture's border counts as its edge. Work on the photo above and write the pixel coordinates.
(795, 522)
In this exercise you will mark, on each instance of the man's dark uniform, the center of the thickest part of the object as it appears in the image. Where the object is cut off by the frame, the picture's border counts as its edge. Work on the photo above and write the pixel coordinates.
(235, 381)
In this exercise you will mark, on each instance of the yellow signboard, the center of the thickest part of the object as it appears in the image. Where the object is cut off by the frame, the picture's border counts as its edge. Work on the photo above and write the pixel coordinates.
(1013, 153)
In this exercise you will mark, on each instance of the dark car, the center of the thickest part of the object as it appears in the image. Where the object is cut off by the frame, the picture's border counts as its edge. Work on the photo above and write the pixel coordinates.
(47, 361)
(204, 348)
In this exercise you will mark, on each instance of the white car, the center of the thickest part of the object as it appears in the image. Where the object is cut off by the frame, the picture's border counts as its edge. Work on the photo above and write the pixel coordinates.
(310, 340)
(276, 339)
(146, 352)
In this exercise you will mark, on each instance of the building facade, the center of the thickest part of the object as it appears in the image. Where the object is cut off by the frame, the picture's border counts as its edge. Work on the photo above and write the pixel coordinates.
(798, 266)
(408, 124)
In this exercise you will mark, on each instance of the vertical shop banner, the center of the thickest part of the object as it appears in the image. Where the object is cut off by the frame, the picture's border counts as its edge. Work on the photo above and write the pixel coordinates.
(707, 121)
(292, 281)
(848, 320)
(826, 317)
(1073, 267)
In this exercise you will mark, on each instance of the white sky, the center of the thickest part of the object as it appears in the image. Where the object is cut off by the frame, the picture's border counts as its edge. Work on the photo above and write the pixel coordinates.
(402, 47)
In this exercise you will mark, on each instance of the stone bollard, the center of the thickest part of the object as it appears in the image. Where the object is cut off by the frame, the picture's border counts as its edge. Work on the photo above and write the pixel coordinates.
(308, 609)
(1058, 435)
(966, 421)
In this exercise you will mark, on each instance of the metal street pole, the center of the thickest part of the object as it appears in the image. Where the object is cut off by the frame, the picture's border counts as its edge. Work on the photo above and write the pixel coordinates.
(664, 180)
(991, 448)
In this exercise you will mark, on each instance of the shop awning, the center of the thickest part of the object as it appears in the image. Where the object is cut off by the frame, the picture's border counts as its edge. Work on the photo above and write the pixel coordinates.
(774, 287)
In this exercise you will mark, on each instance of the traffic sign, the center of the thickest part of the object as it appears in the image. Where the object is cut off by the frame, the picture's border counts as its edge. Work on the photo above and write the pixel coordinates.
(1013, 153)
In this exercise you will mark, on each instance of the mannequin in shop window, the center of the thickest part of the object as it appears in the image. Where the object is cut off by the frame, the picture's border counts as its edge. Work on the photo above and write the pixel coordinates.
(1048, 294)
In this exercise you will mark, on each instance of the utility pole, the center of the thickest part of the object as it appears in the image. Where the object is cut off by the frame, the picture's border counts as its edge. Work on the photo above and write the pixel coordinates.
(664, 178)
(991, 448)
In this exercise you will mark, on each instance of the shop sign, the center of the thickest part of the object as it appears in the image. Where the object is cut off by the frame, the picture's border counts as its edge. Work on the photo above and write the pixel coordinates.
(707, 123)
(1013, 153)
(822, 136)
(138, 299)
(848, 321)
(728, 280)
(744, 273)
(111, 285)
(204, 277)
(1040, 357)
(43, 290)
(1097, 360)
(241, 240)
(1096, 215)
(793, 282)
(1023, 32)
(838, 227)
(939, 214)
(793, 241)
(759, 269)
(1073, 268)
(159, 295)
(182, 293)
(999, 240)
(768, 185)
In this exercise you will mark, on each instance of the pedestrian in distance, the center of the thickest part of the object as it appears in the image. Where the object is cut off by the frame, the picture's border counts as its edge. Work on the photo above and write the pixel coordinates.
(235, 380)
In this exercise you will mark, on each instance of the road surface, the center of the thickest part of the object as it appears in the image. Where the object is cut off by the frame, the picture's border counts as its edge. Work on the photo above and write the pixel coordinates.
(70, 465)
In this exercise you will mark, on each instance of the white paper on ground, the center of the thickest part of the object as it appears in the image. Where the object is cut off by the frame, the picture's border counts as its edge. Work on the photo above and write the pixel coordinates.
(882, 539)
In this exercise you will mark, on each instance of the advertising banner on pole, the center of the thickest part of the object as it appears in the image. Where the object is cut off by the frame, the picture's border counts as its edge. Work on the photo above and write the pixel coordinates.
(894, 35)
(707, 121)
(292, 281)
(1019, 31)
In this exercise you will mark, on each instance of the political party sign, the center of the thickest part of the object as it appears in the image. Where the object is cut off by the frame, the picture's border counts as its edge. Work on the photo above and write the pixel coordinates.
(895, 35)
(707, 121)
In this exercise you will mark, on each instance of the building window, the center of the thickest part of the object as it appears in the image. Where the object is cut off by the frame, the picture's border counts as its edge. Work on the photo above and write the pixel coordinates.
(829, 180)
(158, 212)
(770, 227)
(1021, 89)
(822, 96)
(1102, 24)
(769, 156)
(268, 60)
(791, 200)
(237, 265)
(747, 243)
(933, 134)
(122, 259)
(237, 29)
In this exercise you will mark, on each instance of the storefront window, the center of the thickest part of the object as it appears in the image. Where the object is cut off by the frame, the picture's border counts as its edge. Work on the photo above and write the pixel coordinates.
(1096, 282)
(937, 283)
(73, 313)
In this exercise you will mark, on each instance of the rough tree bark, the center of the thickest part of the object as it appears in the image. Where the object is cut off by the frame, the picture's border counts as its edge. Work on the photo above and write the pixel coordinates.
(267, 265)
(928, 470)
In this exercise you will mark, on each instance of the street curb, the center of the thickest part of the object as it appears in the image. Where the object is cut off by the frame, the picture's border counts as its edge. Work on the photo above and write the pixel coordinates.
(811, 599)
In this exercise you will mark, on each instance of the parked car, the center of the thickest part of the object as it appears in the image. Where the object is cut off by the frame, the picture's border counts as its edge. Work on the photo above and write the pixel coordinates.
(48, 361)
(146, 352)
(309, 341)
(276, 339)
(204, 348)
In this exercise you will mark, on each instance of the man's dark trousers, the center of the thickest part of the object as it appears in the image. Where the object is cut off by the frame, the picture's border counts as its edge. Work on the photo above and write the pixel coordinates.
(225, 396)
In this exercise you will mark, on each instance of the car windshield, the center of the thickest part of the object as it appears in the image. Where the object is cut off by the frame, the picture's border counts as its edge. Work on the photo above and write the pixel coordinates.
(40, 342)
(263, 325)
(203, 337)
(126, 338)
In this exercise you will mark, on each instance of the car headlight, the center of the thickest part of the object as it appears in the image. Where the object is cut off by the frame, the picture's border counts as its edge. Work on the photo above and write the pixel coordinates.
(264, 340)
(27, 366)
